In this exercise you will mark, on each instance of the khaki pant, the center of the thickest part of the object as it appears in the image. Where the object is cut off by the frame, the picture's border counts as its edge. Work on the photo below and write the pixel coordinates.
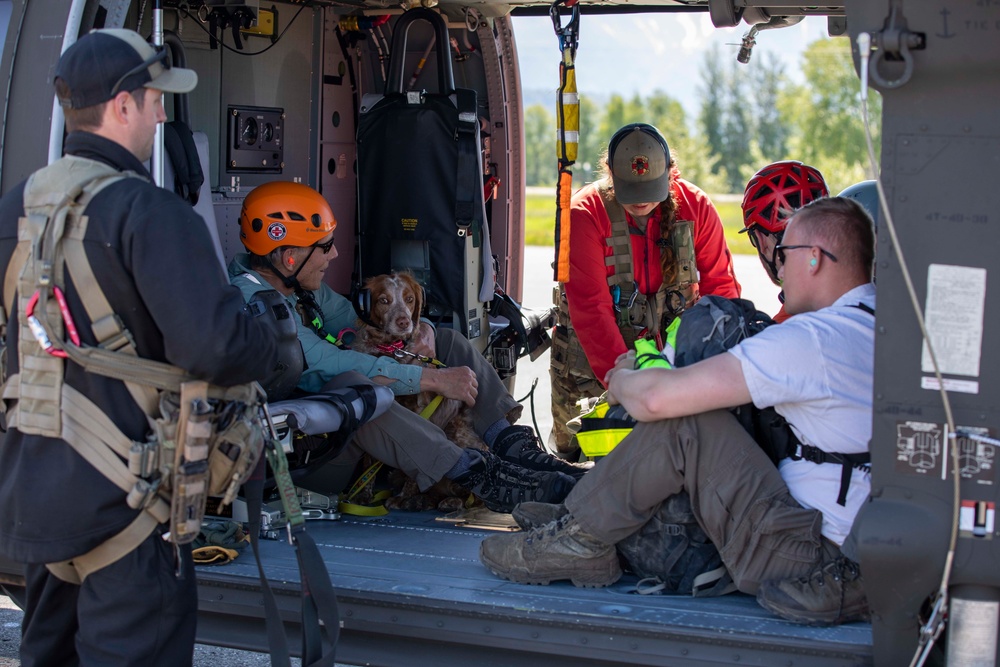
(737, 496)
(566, 391)
(405, 440)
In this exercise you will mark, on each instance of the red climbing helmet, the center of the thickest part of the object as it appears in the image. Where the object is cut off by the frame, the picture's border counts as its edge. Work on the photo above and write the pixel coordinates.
(778, 189)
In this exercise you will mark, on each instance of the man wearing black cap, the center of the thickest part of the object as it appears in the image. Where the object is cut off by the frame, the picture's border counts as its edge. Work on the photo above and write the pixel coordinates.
(644, 244)
(150, 256)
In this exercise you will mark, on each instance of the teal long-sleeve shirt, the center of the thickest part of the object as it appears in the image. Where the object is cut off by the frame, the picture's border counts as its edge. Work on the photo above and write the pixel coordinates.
(323, 359)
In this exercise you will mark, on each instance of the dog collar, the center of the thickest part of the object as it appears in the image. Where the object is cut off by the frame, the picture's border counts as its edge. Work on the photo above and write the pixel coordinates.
(391, 348)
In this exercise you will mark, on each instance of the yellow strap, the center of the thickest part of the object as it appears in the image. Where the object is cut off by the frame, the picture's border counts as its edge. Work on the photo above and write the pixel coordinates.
(567, 113)
(377, 508)
(431, 407)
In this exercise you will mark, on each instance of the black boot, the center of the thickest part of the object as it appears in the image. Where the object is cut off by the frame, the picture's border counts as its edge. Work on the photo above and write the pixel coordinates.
(519, 445)
(502, 486)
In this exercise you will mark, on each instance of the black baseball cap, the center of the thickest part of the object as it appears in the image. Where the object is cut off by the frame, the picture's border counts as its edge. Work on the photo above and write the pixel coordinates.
(103, 63)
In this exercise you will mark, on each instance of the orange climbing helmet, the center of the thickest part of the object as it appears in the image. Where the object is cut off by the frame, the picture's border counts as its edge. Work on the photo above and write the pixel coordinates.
(280, 214)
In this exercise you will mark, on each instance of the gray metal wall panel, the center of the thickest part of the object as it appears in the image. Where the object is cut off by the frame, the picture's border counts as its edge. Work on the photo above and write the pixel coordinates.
(280, 78)
(28, 108)
(940, 158)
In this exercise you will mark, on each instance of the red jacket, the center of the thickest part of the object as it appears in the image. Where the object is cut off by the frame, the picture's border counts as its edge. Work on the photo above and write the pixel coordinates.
(587, 293)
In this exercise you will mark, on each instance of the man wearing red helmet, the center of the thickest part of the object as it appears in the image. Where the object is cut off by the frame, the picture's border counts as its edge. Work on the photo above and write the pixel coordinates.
(644, 244)
(771, 196)
(288, 230)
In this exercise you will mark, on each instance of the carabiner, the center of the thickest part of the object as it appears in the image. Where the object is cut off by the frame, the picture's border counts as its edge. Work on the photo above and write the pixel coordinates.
(74, 335)
(38, 331)
(616, 298)
(635, 294)
(570, 33)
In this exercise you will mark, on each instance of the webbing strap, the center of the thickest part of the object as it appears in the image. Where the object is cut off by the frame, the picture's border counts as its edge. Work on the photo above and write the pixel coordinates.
(74, 571)
(706, 581)
(92, 434)
(861, 461)
(567, 129)
(377, 507)
(564, 194)
(320, 615)
(105, 323)
(469, 184)
(277, 641)
(619, 241)
(17, 260)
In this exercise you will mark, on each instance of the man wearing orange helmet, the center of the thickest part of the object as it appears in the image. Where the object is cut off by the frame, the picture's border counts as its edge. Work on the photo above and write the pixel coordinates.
(288, 230)
(771, 196)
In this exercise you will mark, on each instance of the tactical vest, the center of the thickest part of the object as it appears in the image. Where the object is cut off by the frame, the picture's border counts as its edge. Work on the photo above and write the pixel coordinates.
(204, 440)
(638, 314)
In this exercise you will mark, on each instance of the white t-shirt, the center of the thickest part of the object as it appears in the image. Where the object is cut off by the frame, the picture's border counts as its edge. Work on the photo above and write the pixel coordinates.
(816, 370)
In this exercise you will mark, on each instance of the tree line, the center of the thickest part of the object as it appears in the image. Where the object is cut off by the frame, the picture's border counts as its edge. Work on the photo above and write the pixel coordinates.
(748, 117)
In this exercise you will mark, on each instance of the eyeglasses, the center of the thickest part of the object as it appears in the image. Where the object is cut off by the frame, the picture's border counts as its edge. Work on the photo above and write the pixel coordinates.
(779, 251)
(325, 247)
(752, 233)
(159, 55)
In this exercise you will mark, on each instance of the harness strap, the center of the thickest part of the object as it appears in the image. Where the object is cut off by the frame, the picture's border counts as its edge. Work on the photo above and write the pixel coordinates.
(74, 571)
(619, 241)
(98, 441)
(469, 181)
(106, 325)
(567, 131)
(848, 462)
(311, 316)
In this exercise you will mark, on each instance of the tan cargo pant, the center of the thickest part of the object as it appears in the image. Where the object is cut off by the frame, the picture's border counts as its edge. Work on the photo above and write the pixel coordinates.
(737, 496)
(566, 391)
(405, 440)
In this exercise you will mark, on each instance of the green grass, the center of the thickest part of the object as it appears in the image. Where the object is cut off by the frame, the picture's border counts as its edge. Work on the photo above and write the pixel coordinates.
(540, 211)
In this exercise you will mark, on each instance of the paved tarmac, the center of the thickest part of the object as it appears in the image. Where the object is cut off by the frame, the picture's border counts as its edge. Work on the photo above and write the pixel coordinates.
(538, 274)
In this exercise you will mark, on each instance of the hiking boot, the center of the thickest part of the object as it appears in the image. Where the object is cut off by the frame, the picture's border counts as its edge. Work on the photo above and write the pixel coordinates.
(557, 550)
(833, 593)
(529, 516)
(502, 485)
(518, 444)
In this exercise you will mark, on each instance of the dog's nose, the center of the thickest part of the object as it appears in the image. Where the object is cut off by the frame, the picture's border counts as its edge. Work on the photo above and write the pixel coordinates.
(402, 322)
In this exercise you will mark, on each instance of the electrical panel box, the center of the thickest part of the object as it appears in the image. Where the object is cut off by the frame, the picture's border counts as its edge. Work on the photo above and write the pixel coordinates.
(255, 142)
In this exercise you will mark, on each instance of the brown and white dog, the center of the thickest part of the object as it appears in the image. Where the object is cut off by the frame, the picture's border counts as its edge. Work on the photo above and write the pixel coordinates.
(396, 302)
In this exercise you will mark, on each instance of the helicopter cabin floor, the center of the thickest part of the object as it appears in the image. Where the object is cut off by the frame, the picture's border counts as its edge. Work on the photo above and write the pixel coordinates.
(412, 591)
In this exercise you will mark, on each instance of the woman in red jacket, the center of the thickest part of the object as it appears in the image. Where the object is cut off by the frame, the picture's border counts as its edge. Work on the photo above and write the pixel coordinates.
(644, 245)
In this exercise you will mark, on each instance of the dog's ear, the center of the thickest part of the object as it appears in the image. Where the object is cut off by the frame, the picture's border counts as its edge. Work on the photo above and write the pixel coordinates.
(418, 293)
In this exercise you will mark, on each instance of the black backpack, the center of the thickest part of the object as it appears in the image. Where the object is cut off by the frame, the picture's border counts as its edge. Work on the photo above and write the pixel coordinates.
(715, 324)
(671, 548)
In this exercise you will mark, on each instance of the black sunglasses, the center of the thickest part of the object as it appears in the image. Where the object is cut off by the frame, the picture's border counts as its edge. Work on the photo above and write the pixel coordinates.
(325, 247)
(751, 232)
(159, 55)
(779, 251)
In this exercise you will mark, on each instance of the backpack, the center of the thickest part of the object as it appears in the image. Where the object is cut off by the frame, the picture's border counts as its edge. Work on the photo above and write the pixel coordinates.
(675, 553)
(671, 553)
(715, 324)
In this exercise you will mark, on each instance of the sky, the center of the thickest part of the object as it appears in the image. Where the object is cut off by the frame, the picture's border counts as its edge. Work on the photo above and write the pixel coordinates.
(627, 54)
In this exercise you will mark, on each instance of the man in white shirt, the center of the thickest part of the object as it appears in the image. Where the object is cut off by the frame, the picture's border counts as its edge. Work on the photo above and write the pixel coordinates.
(778, 531)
